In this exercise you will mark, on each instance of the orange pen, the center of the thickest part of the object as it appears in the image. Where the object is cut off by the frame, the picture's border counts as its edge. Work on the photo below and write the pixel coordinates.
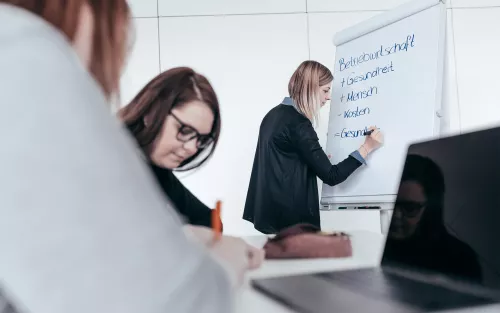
(216, 220)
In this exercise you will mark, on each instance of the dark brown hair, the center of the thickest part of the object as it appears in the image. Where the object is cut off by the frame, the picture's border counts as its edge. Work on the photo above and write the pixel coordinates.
(155, 101)
(111, 24)
(429, 176)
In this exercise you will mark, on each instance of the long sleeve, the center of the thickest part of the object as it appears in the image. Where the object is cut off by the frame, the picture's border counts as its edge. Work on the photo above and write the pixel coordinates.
(6, 304)
(83, 226)
(306, 142)
(187, 204)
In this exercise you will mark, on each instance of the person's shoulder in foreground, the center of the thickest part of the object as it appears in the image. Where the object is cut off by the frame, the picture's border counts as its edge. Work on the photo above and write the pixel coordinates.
(6, 305)
(83, 227)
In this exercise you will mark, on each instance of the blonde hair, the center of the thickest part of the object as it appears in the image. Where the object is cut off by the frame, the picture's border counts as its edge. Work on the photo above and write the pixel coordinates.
(304, 88)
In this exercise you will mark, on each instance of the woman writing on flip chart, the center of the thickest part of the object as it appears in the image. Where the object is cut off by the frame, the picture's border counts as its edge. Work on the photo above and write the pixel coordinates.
(283, 190)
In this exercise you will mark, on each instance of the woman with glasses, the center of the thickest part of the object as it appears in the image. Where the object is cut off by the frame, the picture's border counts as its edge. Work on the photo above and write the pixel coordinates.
(175, 120)
(418, 234)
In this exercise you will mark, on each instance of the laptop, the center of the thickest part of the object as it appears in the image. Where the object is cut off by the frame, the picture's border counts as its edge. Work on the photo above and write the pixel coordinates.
(442, 250)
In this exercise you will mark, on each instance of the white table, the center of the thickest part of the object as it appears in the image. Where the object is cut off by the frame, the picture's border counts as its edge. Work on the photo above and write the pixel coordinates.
(367, 251)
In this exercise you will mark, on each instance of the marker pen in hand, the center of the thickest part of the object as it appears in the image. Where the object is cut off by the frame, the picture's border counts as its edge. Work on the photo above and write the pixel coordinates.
(369, 132)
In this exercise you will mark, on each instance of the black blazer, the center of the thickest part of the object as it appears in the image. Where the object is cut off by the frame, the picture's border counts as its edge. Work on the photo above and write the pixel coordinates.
(283, 190)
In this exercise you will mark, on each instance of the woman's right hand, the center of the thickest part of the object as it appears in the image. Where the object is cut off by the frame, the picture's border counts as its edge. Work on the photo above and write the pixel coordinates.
(234, 253)
(373, 141)
(237, 257)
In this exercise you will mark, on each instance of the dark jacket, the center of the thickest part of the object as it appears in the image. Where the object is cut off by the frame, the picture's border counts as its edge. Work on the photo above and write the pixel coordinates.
(192, 209)
(283, 189)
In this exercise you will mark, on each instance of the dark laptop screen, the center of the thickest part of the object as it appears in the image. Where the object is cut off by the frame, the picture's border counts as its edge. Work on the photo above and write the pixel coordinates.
(447, 212)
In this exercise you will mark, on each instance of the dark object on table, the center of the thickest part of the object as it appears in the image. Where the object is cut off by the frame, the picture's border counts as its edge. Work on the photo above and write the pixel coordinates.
(307, 241)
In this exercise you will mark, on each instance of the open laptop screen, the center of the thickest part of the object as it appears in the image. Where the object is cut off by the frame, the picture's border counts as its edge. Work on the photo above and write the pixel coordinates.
(447, 212)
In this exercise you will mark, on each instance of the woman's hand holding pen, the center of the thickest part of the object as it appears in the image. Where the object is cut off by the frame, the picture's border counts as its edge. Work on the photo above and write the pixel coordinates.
(255, 256)
(235, 255)
(373, 141)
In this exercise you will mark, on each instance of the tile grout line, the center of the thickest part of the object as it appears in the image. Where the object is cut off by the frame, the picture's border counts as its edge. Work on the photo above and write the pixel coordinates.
(159, 42)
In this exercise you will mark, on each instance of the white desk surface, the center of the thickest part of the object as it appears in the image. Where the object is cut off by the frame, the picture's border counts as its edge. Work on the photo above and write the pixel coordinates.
(367, 251)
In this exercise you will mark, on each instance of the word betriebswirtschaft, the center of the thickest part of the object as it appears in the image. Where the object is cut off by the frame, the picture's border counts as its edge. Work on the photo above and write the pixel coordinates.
(382, 52)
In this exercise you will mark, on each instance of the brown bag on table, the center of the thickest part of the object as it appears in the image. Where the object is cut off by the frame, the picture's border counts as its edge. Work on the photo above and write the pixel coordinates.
(307, 241)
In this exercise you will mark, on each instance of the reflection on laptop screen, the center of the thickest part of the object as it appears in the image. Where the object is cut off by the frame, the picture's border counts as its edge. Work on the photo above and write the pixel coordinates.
(447, 212)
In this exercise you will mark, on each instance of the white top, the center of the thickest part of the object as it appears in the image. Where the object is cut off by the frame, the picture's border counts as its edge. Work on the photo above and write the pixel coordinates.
(83, 226)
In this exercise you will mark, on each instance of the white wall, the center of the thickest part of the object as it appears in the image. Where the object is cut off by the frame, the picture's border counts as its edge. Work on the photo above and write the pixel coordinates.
(249, 48)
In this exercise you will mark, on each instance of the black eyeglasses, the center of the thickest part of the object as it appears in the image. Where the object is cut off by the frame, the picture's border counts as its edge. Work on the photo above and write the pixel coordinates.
(409, 208)
(187, 133)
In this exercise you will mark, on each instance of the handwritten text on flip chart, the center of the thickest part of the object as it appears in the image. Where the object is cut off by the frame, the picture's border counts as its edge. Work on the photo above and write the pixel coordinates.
(380, 53)
(355, 113)
(354, 78)
(351, 133)
(352, 94)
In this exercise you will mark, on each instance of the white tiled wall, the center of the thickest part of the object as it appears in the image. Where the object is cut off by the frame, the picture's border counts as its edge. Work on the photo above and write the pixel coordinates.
(477, 43)
(220, 7)
(144, 8)
(249, 48)
(475, 3)
(351, 5)
(144, 59)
